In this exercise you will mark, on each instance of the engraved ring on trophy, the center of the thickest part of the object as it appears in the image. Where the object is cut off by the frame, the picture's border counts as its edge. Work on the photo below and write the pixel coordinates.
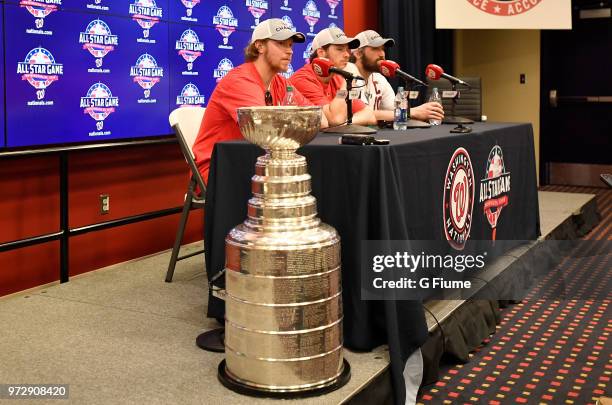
(283, 318)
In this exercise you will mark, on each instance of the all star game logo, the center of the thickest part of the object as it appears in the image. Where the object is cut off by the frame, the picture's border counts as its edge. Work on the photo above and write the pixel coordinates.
(311, 15)
(223, 68)
(458, 199)
(494, 188)
(190, 48)
(147, 74)
(40, 9)
(40, 69)
(307, 52)
(285, 6)
(146, 14)
(505, 8)
(225, 24)
(289, 72)
(99, 103)
(287, 20)
(332, 6)
(257, 8)
(99, 41)
(189, 5)
(190, 95)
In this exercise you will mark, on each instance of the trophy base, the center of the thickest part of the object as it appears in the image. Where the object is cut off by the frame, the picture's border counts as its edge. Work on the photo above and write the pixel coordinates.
(417, 124)
(212, 340)
(457, 120)
(349, 129)
(241, 388)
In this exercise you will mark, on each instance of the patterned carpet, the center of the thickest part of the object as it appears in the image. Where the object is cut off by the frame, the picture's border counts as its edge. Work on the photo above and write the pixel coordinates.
(545, 351)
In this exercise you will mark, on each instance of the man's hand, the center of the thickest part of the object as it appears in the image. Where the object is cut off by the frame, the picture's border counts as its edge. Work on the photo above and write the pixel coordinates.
(427, 111)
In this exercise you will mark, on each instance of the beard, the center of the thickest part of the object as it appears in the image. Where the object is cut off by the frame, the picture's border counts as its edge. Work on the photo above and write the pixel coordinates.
(370, 65)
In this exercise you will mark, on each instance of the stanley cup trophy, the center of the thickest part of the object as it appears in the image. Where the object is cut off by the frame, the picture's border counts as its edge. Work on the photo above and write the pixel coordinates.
(283, 317)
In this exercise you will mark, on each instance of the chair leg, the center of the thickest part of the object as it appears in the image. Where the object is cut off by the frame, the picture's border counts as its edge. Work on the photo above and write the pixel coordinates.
(179, 234)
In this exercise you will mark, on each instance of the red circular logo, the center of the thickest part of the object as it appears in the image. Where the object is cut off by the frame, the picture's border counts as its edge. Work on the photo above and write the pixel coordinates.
(505, 7)
(458, 199)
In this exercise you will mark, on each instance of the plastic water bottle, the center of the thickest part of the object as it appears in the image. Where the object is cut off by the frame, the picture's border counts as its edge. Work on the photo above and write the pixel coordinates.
(289, 100)
(400, 121)
(435, 97)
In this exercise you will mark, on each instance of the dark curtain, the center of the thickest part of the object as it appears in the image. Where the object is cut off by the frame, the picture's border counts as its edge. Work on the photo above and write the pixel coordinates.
(412, 23)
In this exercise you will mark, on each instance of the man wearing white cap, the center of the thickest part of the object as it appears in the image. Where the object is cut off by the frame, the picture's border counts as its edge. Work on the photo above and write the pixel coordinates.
(378, 93)
(334, 45)
(256, 82)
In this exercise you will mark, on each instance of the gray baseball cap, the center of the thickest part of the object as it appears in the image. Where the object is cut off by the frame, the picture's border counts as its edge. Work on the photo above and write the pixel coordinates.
(277, 29)
(333, 36)
(373, 39)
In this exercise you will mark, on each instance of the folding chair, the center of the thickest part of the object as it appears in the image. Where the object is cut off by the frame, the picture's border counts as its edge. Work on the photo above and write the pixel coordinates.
(186, 122)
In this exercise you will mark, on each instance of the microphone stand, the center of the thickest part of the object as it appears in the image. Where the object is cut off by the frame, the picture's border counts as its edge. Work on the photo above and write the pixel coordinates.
(349, 127)
(413, 123)
(452, 119)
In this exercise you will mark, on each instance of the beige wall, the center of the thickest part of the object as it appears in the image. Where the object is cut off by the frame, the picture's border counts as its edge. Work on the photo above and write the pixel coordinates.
(499, 57)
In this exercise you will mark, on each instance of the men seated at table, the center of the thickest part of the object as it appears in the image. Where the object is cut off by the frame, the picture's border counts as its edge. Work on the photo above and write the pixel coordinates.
(329, 92)
(256, 82)
(378, 93)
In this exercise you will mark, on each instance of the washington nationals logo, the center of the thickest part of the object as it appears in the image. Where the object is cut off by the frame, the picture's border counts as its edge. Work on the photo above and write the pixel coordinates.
(146, 14)
(494, 187)
(504, 7)
(226, 24)
(311, 14)
(40, 70)
(458, 199)
(98, 40)
(189, 47)
(257, 8)
(223, 68)
(189, 5)
(40, 9)
(190, 95)
(99, 103)
(146, 73)
(332, 6)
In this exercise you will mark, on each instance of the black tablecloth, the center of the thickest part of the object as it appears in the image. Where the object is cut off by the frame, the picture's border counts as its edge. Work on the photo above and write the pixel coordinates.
(390, 192)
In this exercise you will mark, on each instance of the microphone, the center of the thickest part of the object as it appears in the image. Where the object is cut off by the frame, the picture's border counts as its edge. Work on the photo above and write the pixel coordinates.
(435, 72)
(388, 68)
(323, 68)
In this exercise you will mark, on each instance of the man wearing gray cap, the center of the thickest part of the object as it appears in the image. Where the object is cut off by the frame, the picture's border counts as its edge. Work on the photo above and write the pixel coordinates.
(378, 93)
(329, 92)
(256, 82)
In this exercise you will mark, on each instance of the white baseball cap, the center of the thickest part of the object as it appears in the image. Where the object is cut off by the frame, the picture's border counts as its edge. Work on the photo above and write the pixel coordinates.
(373, 39)
(333, 36)
(277, 29)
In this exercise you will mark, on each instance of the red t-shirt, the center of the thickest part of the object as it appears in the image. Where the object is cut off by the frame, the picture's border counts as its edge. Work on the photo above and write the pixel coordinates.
(306, 81)
(241, 87)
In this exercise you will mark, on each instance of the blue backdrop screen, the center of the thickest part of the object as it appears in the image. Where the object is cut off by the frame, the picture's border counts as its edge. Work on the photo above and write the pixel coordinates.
(80, 71)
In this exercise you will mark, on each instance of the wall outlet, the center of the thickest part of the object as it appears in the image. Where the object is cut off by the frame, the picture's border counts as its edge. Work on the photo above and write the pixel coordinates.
(104, 204)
